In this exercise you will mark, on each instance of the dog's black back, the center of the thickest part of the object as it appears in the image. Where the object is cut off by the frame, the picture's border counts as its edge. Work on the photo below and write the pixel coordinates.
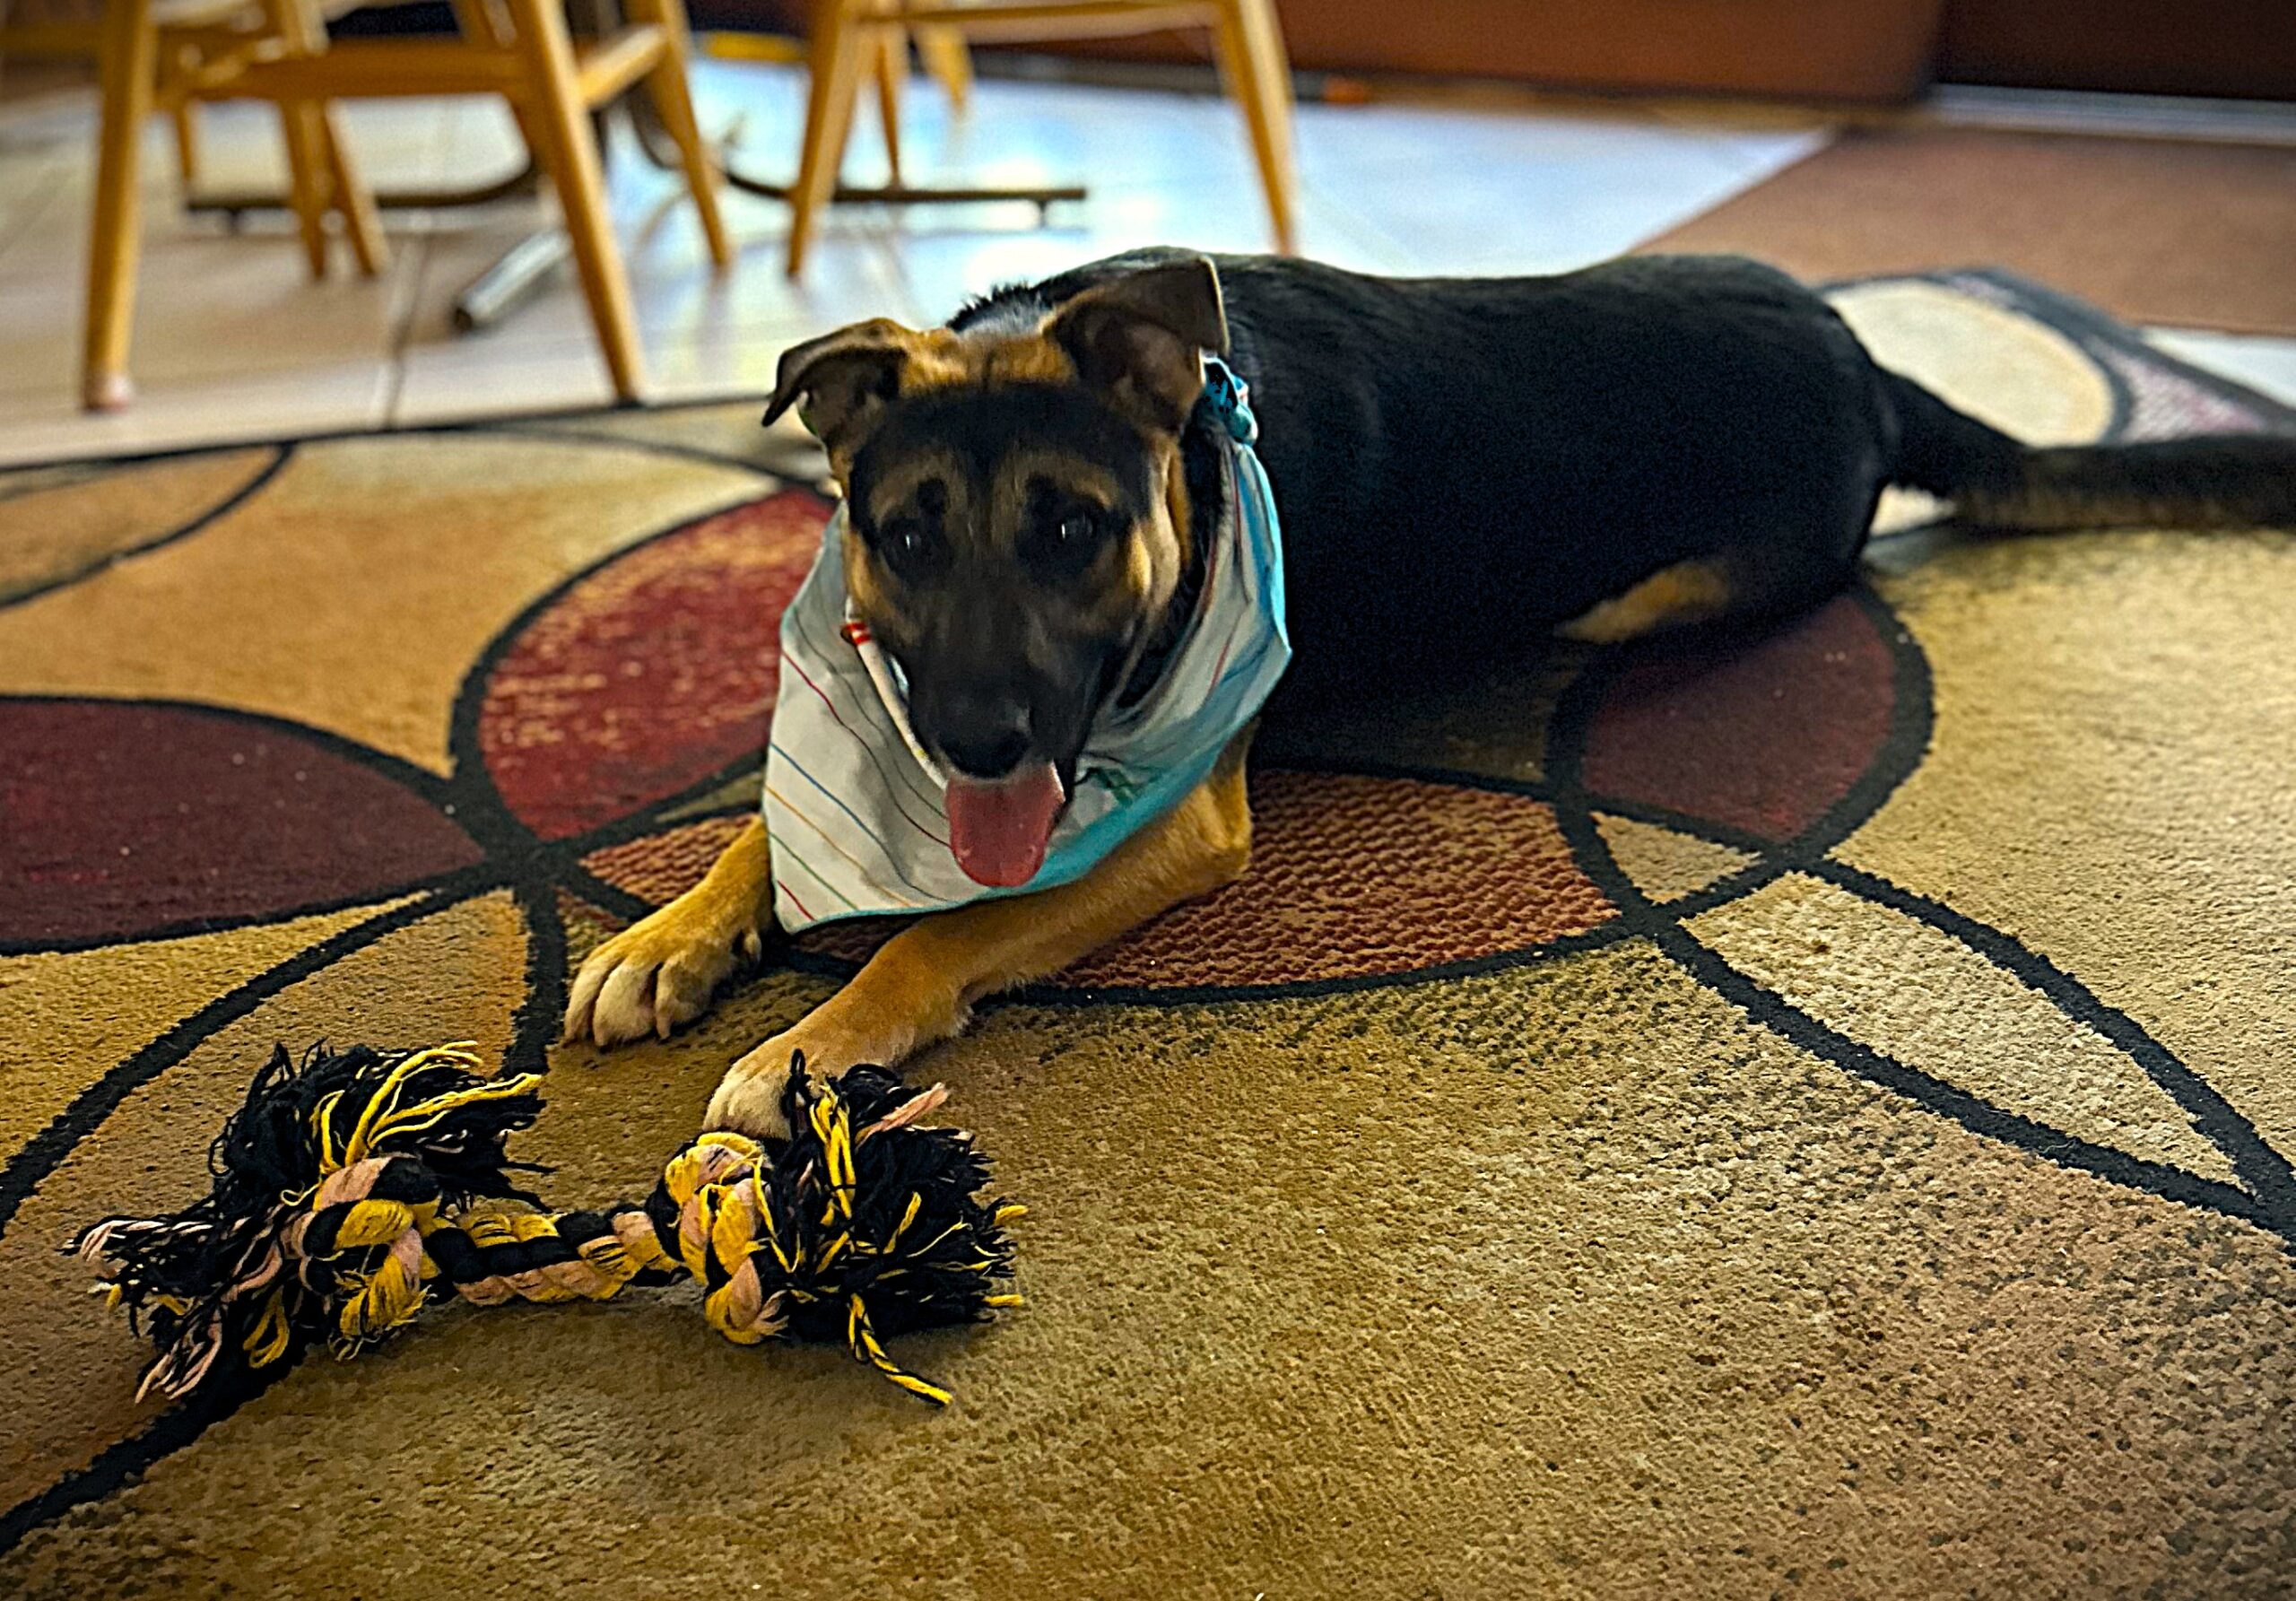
(1462, 464)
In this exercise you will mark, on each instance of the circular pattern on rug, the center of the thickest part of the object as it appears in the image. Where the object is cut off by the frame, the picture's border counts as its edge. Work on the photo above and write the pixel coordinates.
(603, 747)
(1761, 735)
(648, 673)
(1352, 877)
(244, 819)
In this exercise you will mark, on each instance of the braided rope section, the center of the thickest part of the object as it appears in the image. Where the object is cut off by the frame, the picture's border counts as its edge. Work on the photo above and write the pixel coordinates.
(353, 1183)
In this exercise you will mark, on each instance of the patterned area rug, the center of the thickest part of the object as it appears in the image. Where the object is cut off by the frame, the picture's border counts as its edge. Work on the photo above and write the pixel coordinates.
(1808, 1116)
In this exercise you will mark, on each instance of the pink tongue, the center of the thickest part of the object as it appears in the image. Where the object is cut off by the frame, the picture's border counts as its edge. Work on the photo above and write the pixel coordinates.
(998, 830)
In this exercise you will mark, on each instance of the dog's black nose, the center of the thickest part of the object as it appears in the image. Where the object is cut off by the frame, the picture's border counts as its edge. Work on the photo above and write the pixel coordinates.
(989, 746)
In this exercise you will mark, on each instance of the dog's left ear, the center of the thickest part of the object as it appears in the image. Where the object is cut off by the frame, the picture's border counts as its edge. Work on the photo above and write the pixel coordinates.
(1140, 339)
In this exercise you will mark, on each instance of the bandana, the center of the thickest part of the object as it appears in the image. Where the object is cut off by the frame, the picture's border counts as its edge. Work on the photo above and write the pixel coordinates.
(854, 804)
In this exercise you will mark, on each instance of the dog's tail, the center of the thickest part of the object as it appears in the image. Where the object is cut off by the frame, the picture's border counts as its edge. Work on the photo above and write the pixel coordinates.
(2216, 481)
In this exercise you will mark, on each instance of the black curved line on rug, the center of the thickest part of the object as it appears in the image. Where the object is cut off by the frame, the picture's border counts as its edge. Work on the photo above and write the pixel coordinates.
(512, 858)
(534, 1029)
(553, 864)
(222, 509)
(532, 875)
(2269, 1208)
(533, 869)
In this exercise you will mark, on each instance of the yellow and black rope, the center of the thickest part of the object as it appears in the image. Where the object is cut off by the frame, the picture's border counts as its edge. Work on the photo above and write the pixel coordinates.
(351, 1183)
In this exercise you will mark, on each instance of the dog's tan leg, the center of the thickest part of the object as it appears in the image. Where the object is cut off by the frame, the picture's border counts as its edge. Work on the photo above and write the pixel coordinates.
(1672, 596)
(921, 985)
(660, 972)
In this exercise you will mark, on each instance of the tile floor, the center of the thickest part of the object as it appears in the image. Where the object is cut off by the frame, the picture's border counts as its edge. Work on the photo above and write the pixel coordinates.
(233, 342)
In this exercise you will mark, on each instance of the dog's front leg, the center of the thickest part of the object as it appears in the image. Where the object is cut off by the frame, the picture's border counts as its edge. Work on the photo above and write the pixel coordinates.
(921, 985)
(660, 971)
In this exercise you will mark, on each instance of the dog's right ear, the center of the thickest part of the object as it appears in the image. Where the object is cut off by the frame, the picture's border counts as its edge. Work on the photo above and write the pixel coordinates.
(845, 379)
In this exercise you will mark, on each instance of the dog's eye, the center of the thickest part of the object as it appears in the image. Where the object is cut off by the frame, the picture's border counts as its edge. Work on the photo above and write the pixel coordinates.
(1066, 539)
(908, 543)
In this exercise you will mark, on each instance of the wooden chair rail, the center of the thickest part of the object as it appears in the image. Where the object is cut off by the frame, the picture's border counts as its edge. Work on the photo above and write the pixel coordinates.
(1062, 19)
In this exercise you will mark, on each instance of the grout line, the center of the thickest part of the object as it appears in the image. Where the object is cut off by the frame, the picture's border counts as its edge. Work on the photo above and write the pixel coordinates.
(403, 330)
(22, 218)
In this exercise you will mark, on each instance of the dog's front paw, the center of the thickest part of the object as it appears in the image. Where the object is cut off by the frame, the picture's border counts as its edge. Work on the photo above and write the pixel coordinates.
(659, 973)
(749, 1097)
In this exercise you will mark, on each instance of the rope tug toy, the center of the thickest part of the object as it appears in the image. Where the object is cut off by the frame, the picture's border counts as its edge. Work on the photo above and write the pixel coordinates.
(349, 1181)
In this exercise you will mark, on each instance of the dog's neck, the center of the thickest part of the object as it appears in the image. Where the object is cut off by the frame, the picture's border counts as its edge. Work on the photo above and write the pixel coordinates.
(1197, 500)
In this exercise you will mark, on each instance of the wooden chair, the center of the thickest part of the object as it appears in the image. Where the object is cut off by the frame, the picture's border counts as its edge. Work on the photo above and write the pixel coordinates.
(854, 39)
(194, 37)
(520, 49)
(62, 30)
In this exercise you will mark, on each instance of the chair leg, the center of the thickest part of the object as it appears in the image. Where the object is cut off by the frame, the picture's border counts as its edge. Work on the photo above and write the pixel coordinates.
(561, 121)
(129, 65)
(483, 21)
(840, 41)
(671, 91)
(1252, 58)
(947, 59)
(303, 125)
(309, 185)
(352, 198)
(893, 67)
(185, 114)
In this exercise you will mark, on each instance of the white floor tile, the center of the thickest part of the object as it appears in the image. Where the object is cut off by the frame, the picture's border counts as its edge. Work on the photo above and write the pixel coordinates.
(672, 284)
(2263, 363)
(452, 380)
(1017, 134)
(210, 309)
(948, 254)
(1464, 192)
(38, 426)
(452, 383)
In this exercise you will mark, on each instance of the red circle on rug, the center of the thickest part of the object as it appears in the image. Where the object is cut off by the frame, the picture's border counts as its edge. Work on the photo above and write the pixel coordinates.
(125, 819)
(1352, 877)
(1762, 734)
(650, 673)
(659, 868)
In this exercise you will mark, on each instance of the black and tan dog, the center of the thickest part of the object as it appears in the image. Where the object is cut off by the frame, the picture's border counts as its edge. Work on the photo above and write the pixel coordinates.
(1463, 467)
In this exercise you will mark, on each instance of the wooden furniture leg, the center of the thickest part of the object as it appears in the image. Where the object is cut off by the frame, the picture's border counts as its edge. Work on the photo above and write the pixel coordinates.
(185, 114)
(839, 48)
(949, 60)
(1252, 56)
(672, 92)
(483, 21)
(310, 183)
(893, 67)
(128, 66)
(562, 120)
(360, 220)
(302, 124)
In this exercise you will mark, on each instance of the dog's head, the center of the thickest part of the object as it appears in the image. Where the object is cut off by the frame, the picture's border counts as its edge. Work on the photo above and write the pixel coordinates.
(1017, 524)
